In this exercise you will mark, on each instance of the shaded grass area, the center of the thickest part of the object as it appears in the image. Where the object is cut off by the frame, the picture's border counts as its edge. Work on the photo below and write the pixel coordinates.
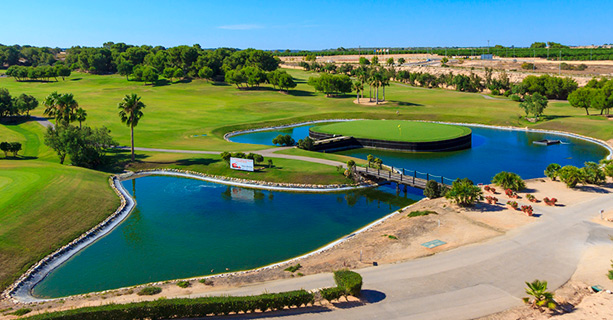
(283, 170)
(395, 130)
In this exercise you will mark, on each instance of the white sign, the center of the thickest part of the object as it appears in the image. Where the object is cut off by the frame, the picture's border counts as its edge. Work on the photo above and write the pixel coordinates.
(241, 164)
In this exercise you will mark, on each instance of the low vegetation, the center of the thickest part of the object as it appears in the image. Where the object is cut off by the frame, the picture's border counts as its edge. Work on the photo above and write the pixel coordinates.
(539, 296)
(464, 192)
(509, 180)
(293, 268)
(184, 284)
(419, 213)
(149, 291)
(349, 281)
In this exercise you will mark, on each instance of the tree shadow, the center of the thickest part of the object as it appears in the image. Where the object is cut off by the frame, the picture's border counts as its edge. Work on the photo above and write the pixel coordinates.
(276, 314)
(546, 117)
(15, 120)
(407, 104)
(76, 79)
(301, 93)
(162, 83)
(596, 189)
(220, 84)
(485, 207)
(184, 80)
(18, 157)
(116, 160)
(372, 296)
(196, 161)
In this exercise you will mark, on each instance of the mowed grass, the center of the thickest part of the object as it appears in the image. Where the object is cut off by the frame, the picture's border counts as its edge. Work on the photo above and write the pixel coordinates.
(283, 170)
(177, 115)
(395, 130)
(44, 205)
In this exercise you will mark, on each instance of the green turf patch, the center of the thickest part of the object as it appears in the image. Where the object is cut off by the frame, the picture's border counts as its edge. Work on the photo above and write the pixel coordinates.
(420, 213)
(395, 130)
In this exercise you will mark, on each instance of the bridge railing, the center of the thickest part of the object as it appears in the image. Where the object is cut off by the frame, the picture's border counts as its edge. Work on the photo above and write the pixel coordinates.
(409, 174)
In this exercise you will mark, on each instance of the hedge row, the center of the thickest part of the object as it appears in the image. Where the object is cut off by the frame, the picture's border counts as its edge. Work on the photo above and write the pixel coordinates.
(185, 308)
(349, 281)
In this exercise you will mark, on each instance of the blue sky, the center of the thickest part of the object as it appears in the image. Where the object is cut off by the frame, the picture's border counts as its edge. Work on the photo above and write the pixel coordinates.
(305, 24)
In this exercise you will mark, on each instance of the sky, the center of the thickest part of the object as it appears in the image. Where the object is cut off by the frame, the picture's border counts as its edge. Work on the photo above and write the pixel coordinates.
(306, 24)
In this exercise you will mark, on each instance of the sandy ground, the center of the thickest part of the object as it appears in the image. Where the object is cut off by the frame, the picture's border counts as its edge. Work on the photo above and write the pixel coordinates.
(452, 224)
(512, 66)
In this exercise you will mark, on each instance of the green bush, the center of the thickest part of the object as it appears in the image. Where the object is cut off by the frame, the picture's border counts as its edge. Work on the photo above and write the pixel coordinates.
(464, 192)
(509, 180)
(516, 98)
(551, 171)
(349, 281)
(570, 175)
(22, 311)
(293, 269)
(184, 308)
(183, 284)
(332, 294)
(593, 174)
(149, 291)
(433, 190)
(420, 213)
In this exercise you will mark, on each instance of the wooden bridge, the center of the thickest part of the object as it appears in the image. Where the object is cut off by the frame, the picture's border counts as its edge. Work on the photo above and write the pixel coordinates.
(403, 177)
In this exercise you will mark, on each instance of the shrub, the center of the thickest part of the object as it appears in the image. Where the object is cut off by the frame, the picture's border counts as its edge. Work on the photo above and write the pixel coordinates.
(515, 98)
(183, 284)
(491, 200)
(420, 213)
(332, 294)
(206, 282)
(149, 291)
(509, 180)
(592, 173)
(306, 143)
(21, 312)
(528, 66)
(433, 190)
(349, 281)
(513, 204)
(570, 175)
(293, 269)
(551, 171)
(464, 192)
(550, 202)
(185, 308)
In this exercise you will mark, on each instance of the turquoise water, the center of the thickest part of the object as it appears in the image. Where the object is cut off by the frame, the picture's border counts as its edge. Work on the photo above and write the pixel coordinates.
(185, 228)
(493, 150)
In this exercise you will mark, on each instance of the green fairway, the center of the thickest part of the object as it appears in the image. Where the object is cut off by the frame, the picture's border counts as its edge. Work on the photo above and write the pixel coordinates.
(179, 114)
(394, 130)
(44, 204)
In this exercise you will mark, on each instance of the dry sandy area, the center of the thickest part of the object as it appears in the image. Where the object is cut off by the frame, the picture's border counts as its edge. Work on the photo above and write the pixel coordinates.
(512, 66)
(454, 225)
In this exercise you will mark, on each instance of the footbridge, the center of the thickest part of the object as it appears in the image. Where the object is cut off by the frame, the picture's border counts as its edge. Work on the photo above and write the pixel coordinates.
(401, 176)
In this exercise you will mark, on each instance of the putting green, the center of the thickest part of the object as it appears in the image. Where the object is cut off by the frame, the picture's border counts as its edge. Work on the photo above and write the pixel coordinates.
(395, 130)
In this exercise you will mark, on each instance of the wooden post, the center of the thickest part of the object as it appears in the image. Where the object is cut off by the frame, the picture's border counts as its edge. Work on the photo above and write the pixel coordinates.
(390, 175)
(442, 182)
(402, 170)
(427, 177)
(378, 173)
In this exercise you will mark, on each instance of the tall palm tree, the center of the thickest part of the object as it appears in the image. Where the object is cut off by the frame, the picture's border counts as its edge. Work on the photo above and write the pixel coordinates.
(80, 115)
(50, 104)
(61, 106)
(130, 112)
(66, 107)
(358, 87)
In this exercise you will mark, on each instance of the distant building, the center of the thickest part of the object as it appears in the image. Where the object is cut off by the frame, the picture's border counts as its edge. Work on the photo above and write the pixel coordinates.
(488, 56)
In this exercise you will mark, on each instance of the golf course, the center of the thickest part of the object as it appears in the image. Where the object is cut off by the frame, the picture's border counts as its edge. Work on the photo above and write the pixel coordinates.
(46, 202)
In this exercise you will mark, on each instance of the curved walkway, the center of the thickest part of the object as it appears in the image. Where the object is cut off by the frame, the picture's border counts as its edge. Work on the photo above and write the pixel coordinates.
(470, 281)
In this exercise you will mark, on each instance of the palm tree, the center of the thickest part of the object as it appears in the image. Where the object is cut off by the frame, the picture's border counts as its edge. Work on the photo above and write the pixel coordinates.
(81, 115)
(540, 296)
(50, 104)
(130, 112)
(61, 106)
(358, 87)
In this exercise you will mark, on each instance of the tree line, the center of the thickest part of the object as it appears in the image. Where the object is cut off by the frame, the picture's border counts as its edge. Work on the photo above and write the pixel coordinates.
(596, 94)
(16, 106)
(44, 72)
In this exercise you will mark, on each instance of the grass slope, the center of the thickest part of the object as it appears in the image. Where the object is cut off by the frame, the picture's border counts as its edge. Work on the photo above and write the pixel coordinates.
(44, 205)
(395, 130)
